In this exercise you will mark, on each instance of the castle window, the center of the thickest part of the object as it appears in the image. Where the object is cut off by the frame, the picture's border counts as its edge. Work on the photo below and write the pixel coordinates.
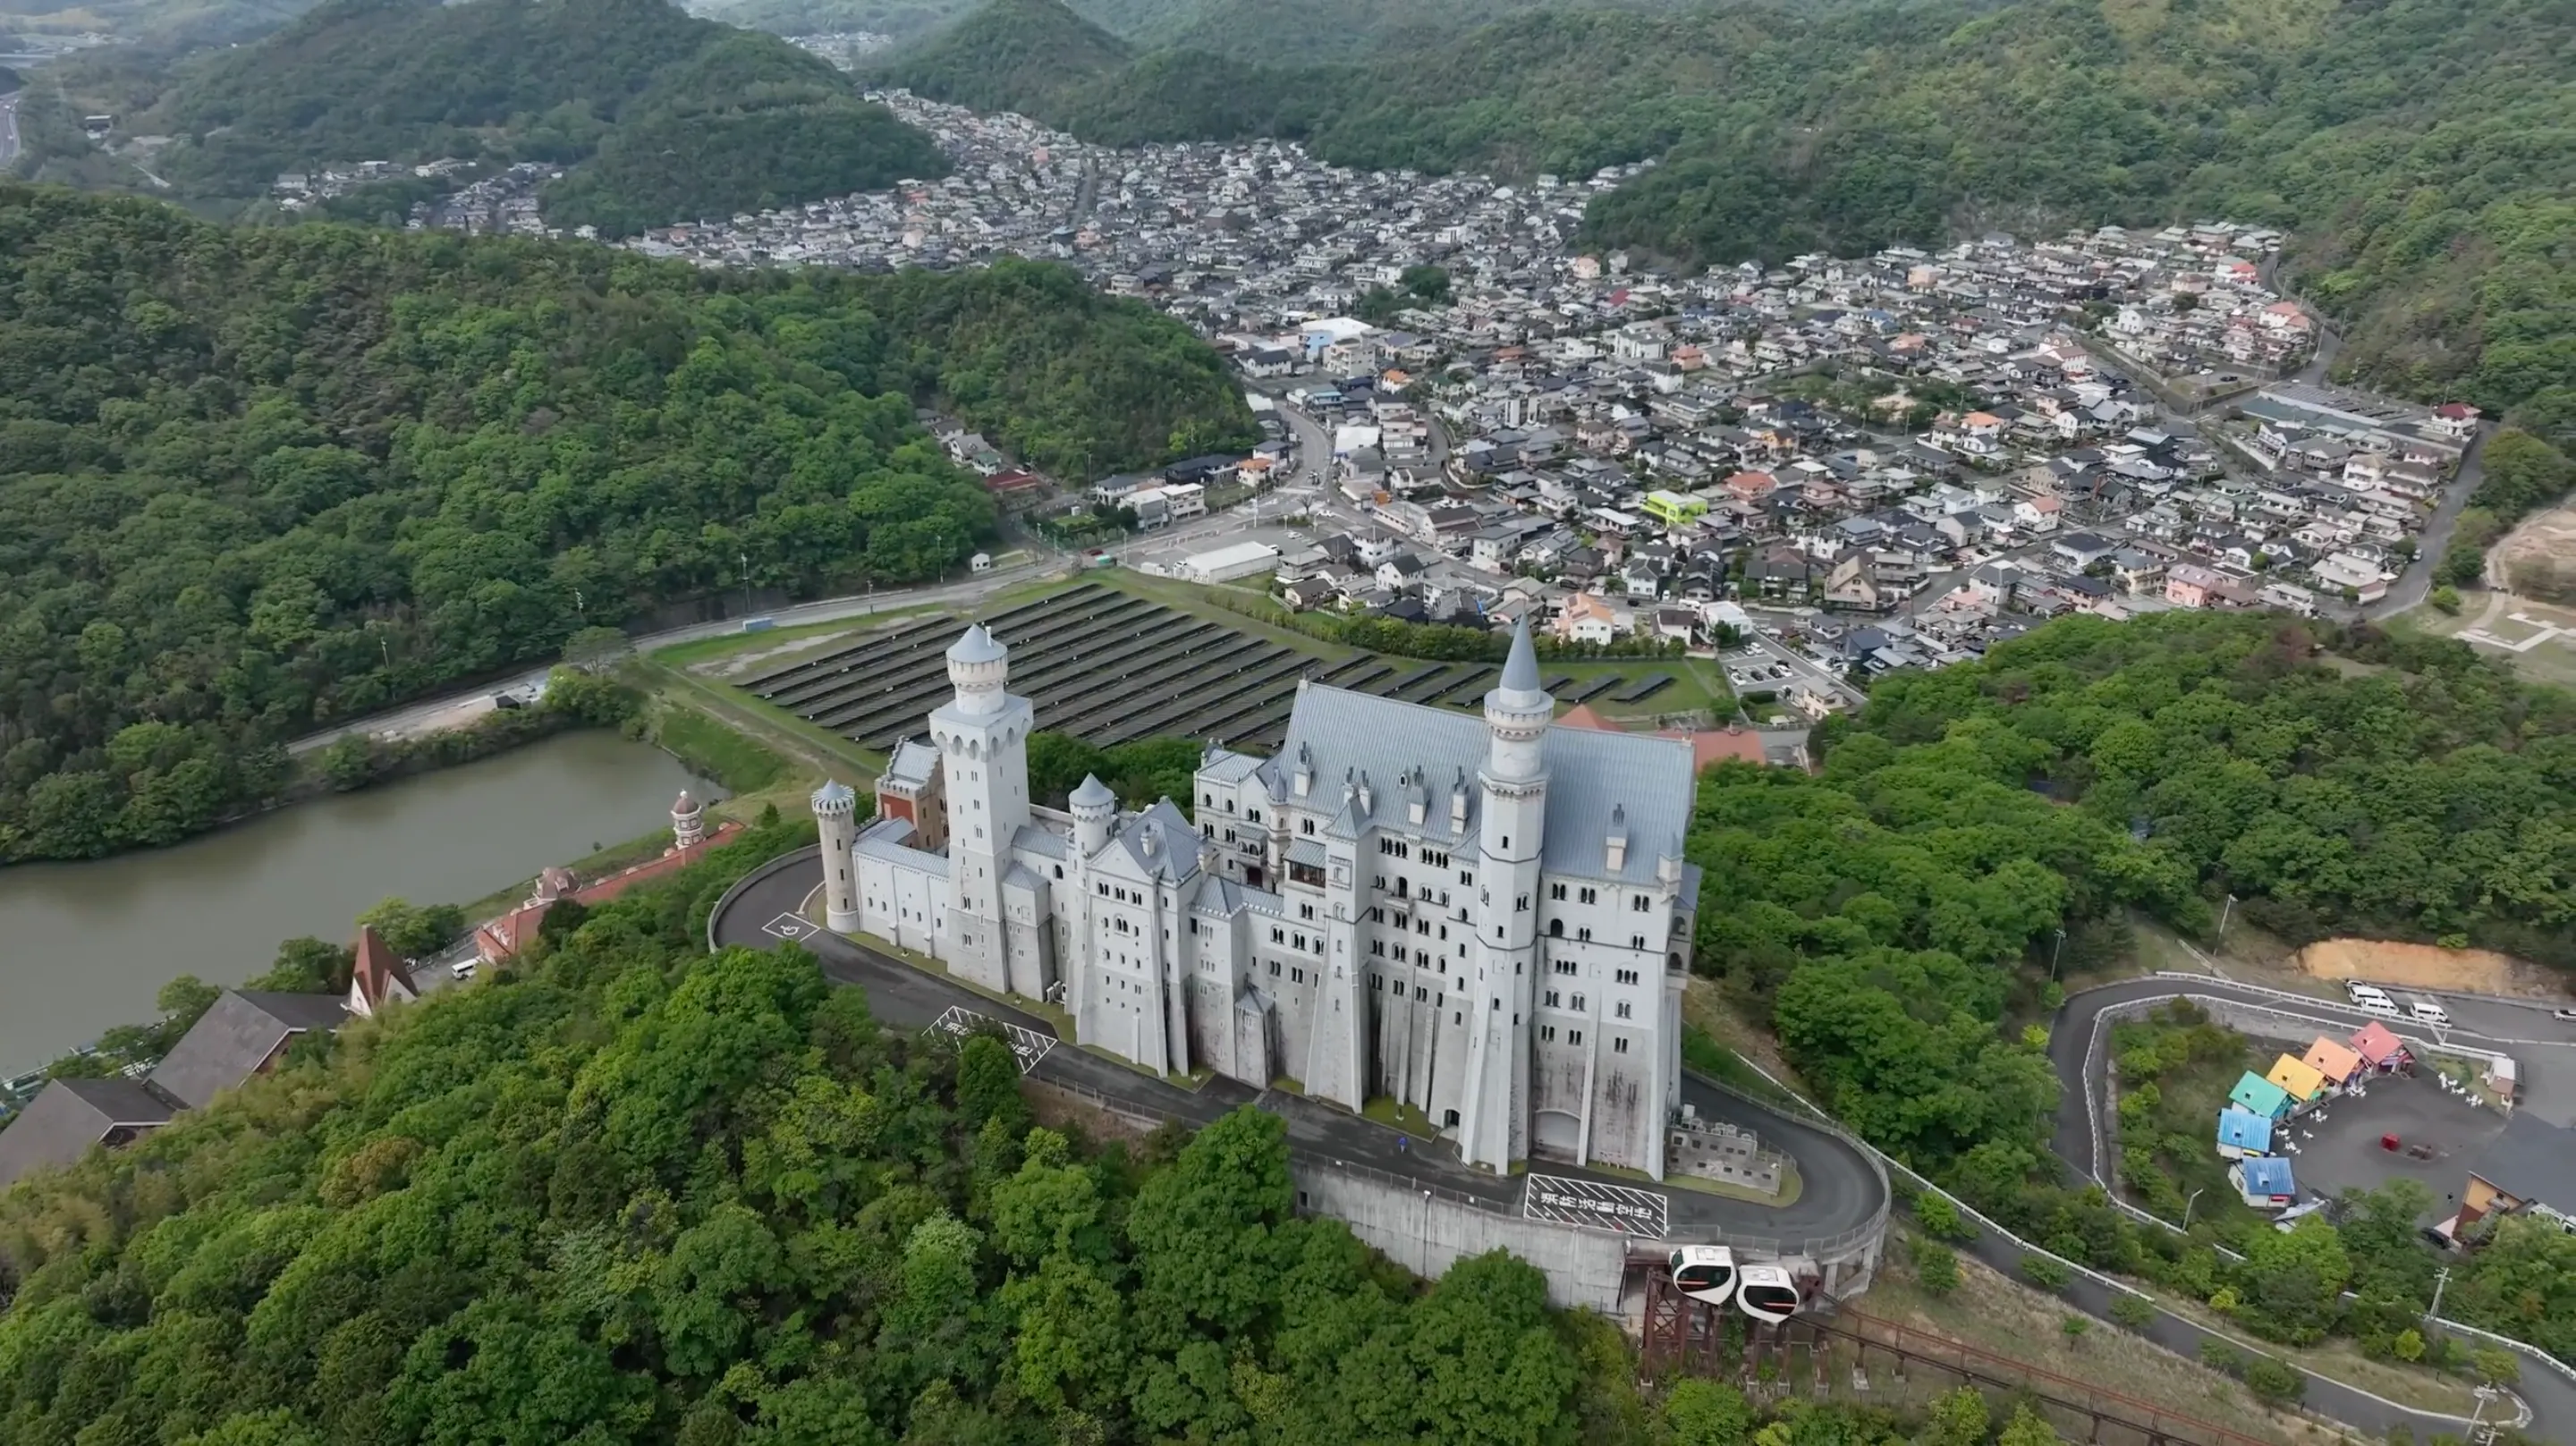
(1626, 1010)
(1059, 871)
(1590, 896)
(1274, 968)
(1296, 976)
(1306, 825)
(1420, 994)
(1554, 999)
(1584, 935)
(1627, 976)
(1636, 941)
(1399, 954)
(1578, 1004)
(1640, 903)
(1278, 936)
(1556, 891)
(1556, 928)
(1253, 814)
(1574, 1036)
(1449, 1117)
(1466, 878)
(1619, 1046)
(1521, 905)
(1547, 1032)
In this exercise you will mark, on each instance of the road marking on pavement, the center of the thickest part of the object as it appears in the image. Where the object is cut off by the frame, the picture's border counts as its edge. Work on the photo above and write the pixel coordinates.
(1027, 1045)
(1620, 1209)
(788, 926)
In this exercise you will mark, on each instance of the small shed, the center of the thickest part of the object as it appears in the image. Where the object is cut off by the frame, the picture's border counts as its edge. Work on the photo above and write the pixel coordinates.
(2258, 1095)
(2378, 1047)
(2297, 1078)
(2242, 1133)
(2264, 1181)
(2332, 1060)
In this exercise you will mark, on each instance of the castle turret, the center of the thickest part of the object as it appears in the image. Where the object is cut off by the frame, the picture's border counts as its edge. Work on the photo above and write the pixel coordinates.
(836, 810)
(688, 822)
(1093, 807)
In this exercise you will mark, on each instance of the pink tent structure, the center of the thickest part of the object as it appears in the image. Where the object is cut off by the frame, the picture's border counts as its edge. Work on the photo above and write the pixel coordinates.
(2377, 1047)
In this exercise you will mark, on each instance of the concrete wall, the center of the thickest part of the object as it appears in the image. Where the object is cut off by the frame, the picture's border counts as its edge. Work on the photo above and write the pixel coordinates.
(1427, 1235)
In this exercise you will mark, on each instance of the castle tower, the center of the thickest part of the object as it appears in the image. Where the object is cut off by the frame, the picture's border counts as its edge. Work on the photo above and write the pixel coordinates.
(836, 813)
(983, 736)
(1093, 806)
(688, 822)
(1492, 1115)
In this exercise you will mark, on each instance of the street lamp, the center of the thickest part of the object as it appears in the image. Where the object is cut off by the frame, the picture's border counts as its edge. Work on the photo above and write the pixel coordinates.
(2053, 953)
(2222, 919)
(2186, 1208)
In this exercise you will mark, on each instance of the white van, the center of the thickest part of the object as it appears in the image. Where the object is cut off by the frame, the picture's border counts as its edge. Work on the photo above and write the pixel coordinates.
(2427, 1012)
(2371, 999)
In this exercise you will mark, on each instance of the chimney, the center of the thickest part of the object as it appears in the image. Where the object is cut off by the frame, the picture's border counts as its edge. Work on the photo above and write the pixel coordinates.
(1458, 803)
(1305, 769)
(1368, 796)
(1618, 837)
(1668, 869)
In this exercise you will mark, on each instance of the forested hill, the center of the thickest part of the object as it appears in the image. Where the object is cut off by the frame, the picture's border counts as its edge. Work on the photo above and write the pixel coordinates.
(2421, 152)
(1016, 55)
(686, 117)
(253, 479)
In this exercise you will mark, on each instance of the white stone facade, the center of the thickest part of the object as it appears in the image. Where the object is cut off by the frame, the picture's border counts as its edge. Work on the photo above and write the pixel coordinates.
(1487, 919)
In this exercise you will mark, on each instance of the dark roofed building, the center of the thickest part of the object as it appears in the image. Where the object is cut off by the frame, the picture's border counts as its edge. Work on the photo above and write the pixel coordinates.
(70, 1117)
(240, 1036)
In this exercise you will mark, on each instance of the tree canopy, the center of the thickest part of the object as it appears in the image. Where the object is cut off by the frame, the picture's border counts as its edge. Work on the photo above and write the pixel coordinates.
(254, 480)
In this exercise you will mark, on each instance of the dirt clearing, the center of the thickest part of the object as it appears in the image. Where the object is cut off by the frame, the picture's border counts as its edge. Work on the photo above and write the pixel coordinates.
(2428, 966)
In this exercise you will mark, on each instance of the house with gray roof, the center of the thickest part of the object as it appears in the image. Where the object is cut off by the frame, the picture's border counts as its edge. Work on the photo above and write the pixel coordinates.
(70, 1117)
(240, 1035)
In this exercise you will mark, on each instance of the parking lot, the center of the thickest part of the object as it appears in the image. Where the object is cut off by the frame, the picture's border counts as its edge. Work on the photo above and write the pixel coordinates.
(2345, 1151)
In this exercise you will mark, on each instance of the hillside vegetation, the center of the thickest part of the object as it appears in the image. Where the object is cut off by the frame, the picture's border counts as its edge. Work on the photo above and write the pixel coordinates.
(685, 117)
(627, 1193)
(2422, 152)
(252, 480)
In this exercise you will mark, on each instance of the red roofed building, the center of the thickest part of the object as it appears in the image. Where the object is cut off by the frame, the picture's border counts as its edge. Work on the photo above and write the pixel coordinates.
(377, 977)
(503, 938)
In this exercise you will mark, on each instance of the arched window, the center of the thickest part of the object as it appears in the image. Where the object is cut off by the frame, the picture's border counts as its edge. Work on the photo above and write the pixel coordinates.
(1556, 928)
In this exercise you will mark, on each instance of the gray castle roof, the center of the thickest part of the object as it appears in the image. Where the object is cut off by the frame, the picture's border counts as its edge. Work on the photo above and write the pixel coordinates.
(1590, 773)
(976, 645)
(1093, 794)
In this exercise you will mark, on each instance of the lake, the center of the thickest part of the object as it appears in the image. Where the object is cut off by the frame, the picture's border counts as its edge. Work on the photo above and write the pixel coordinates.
(85, 946)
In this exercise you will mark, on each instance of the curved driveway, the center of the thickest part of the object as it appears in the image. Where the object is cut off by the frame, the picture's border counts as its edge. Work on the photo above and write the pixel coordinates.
(2080, 1137)
(1842, 1192)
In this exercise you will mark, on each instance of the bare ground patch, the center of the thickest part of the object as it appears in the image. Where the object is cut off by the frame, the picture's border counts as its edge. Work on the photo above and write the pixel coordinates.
(2428, 966)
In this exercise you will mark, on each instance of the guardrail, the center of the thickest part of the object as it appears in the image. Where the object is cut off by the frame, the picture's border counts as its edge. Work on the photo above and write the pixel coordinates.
(2094, 1073)
(1829, 1246)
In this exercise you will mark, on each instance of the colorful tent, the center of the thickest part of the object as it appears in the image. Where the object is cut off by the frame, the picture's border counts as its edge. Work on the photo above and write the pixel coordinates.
(2261, 1096)
(2300, 1079)
(2242, 1133)
(2264, 1181)
(2332, 1060)
(2377, 1047)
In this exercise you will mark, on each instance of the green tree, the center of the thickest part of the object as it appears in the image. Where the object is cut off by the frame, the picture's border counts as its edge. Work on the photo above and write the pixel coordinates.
(1701, 1412)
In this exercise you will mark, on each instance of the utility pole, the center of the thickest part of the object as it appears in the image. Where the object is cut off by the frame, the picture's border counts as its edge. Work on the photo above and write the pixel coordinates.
(2441, 1280)
(2222, 920)
(745, 557)
(2186, 1209)
(2053, 953)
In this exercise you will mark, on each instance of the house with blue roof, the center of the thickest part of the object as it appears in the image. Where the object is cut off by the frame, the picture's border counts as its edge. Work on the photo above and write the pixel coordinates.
(2242, 1133)
(2264, 1181)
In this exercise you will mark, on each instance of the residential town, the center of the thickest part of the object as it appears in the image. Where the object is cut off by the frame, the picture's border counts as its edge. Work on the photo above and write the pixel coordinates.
(1858, 463)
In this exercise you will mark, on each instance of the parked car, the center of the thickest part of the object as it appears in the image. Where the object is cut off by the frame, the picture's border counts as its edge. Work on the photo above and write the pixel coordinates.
(2569, 1014)
(2427, 1012)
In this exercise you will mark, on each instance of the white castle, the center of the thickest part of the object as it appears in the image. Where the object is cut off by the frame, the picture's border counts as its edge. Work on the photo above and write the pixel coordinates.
(1488, 920)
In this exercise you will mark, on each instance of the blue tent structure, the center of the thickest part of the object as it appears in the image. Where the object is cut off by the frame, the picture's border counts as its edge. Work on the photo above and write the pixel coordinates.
(2264, 1181)
(2243, 1132)
(2258, 1095)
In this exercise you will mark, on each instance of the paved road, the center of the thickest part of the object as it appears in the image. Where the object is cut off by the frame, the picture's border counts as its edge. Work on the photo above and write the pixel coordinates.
(2413, 585)
(822, 610)
(1841, 1190)
(9, 126)
(2540, 1042)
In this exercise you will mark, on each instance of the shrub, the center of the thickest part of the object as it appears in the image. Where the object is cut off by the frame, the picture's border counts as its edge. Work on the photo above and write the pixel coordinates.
(2273, 1381)
(1936, 1268)
(2132, 1312)
(1940, 1219)
(2046, 1272)
(2218, 1355)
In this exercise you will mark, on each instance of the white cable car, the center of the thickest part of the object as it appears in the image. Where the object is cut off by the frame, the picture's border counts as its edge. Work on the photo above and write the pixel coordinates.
(1704, 1273)
(1767, 1294)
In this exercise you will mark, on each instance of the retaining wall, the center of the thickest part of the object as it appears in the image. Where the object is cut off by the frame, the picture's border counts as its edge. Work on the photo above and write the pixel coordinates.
(1427, 1231)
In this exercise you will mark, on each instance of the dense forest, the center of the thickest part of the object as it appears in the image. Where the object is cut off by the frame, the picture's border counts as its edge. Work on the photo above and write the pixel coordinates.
(630, 1192)
(252, 480)
(1887, 916)
(2092, 768)
(2418, 150)
(663, 116)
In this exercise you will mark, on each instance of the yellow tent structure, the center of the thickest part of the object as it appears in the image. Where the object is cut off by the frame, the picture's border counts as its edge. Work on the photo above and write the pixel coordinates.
(2297, 1078)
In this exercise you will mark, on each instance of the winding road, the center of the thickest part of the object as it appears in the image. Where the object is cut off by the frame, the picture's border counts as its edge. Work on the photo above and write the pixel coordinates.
(1843, 1189)
(2081, 1137)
